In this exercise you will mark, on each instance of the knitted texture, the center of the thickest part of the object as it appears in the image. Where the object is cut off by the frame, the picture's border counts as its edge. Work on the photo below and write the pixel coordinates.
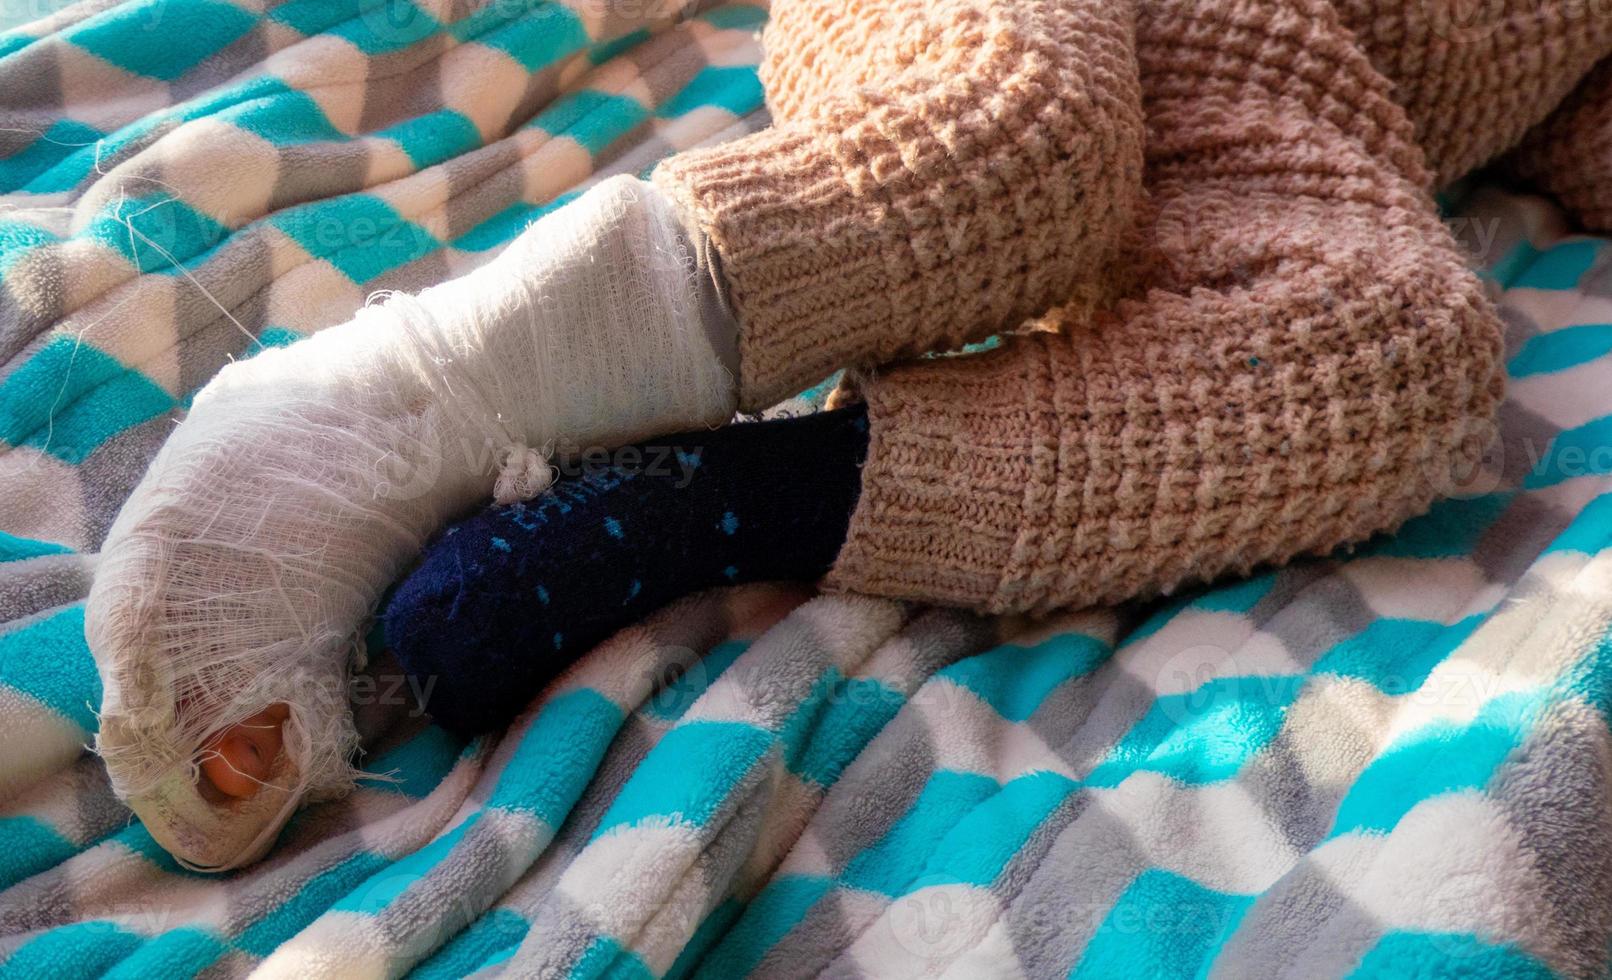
(937, 171)
(1281, 351)
(1570, 152)
(1311, 363)
(1474, 76)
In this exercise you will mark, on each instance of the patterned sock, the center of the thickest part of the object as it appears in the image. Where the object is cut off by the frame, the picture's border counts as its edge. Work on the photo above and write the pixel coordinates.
(506, 599)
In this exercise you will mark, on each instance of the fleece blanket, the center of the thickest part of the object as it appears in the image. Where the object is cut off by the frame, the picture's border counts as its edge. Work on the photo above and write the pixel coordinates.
(1391, 762)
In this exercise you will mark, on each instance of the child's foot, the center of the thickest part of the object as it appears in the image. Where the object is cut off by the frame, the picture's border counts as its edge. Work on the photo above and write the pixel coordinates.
(239, 760)
(506, 599)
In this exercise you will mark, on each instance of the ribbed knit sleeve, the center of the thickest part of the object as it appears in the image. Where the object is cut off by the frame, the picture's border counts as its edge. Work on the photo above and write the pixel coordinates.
(1570, 153)
(1314, 362)
(937, 170)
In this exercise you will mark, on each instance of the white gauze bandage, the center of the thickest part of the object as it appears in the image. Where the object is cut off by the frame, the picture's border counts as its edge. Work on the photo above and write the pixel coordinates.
(306, 479)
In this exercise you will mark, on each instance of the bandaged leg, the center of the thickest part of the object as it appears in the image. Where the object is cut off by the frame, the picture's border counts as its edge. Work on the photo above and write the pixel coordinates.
(304, 480)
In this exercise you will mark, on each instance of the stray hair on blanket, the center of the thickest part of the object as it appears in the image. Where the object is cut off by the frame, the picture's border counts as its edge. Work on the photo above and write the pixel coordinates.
(305, 479)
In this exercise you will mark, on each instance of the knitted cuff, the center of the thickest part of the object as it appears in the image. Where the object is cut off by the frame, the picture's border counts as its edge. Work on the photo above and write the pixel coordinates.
(814, 285)
(957, 489)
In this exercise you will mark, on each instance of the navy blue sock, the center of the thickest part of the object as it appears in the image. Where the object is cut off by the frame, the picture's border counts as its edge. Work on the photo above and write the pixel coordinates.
(506, 599)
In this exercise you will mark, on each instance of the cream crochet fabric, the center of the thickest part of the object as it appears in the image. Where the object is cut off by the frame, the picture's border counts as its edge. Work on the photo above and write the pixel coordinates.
(305, 479)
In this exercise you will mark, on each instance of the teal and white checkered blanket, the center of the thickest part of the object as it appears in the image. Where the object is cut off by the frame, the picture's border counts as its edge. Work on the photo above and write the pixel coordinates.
(1396, 762)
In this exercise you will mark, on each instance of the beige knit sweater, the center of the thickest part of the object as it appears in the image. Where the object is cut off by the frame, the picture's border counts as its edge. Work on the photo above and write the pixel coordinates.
(1240, 332)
